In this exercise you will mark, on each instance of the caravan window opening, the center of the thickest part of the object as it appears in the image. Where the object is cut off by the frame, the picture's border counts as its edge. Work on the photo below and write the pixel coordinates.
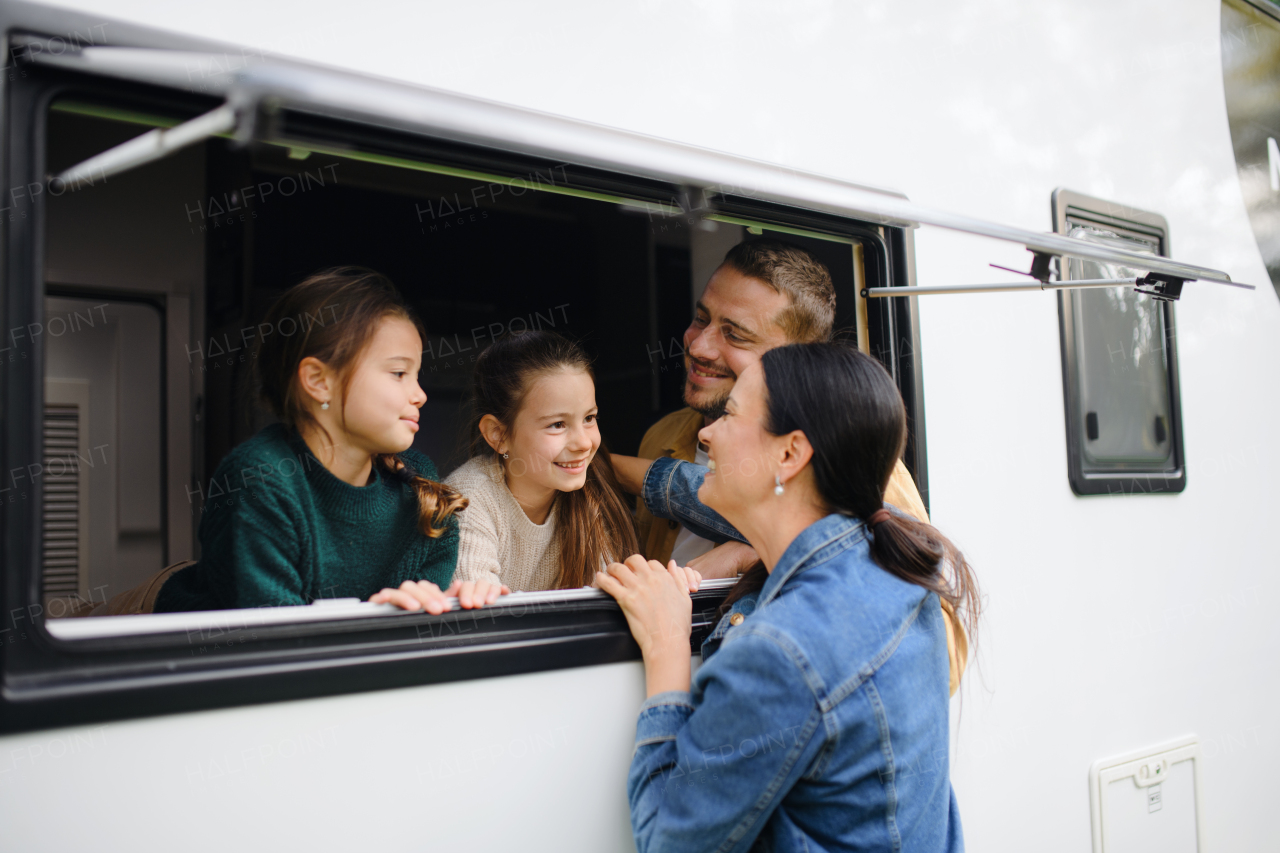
(1119, 360)
(611, 257)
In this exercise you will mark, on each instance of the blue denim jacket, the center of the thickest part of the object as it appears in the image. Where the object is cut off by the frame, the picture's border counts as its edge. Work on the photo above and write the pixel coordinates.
(819, 722)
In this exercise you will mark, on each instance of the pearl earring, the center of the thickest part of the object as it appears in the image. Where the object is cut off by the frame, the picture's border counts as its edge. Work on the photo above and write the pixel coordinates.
(777, 480)
(325, 405)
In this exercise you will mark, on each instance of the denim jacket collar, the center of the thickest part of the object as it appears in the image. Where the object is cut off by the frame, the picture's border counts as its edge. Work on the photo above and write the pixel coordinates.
(816, 543)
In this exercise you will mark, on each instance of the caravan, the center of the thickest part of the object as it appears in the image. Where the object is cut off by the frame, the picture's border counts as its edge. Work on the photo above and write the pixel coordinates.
(996, 190)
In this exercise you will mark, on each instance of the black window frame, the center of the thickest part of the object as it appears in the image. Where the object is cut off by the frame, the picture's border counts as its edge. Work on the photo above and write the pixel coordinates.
(1071, 208)
(46, 681)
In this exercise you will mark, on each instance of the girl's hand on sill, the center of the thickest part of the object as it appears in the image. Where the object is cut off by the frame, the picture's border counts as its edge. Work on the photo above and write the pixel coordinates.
(473, 594)
(414, 595)
(424, 595)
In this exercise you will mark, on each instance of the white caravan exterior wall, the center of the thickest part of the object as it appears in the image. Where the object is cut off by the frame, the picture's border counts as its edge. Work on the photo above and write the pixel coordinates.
(1113, 623)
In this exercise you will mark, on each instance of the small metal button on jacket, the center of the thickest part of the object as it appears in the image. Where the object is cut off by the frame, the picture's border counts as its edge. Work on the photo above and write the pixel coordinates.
(736, 619)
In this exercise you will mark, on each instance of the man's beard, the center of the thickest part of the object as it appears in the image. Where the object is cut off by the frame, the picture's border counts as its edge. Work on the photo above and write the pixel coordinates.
(710, 409)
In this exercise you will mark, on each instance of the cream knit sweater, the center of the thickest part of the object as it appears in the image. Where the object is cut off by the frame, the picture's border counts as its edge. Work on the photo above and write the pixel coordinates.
(496, 540)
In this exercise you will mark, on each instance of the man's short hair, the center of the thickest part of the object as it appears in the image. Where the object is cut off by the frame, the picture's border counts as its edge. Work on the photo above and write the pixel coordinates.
(802, 277)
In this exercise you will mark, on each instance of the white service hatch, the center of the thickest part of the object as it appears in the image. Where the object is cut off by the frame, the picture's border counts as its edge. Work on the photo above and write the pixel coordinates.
(1148, 800)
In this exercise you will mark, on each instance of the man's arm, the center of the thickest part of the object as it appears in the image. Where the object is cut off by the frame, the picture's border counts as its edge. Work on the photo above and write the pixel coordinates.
(671, 491)
(630, 471)
(725, 561)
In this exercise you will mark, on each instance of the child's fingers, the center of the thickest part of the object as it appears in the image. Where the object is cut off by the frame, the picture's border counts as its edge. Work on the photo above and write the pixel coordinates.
(682, 576)
(428, 595)
(607, 582)
(636, 563)
(414, 595)
(479, 593)
(692, 578)
(625, 573)
(404, 602)
(482, 593)
(401, 599)
(390, 596)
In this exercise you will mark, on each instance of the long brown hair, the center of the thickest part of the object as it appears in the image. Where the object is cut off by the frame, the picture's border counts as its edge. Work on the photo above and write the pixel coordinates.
(848, 408)
(593, 523)
(332, 316)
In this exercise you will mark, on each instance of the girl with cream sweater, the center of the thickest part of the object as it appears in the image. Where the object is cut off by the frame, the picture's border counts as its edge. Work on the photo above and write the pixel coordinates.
(545, 510)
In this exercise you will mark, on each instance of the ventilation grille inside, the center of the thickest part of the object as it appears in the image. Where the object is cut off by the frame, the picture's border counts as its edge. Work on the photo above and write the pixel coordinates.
(60, 514)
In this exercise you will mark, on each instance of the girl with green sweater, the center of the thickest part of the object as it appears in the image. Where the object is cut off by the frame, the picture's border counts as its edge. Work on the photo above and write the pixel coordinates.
(330, 502)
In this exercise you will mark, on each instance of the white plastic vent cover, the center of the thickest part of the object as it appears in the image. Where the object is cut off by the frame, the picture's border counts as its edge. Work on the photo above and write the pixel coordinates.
(1148, 800)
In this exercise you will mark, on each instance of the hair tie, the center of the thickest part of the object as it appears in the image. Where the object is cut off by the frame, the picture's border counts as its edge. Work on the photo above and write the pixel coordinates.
(879, 516)
(401, 470)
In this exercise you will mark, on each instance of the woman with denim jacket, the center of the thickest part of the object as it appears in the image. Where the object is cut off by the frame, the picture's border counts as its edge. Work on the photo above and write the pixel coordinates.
(669, 488)
(819, 717)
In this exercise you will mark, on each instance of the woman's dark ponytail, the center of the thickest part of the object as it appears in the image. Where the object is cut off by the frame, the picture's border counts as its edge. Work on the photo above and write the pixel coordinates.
(918, 553)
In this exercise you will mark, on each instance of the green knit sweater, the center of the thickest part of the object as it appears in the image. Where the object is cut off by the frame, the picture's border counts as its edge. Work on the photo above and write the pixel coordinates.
(278, 529)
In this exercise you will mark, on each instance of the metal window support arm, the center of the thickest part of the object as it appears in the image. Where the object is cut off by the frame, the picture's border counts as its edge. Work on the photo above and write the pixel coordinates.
(997, 287)
(1157, 285)
(237, 116)
(1164, 288)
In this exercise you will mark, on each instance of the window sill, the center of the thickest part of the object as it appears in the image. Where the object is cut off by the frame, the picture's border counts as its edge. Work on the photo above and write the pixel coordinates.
(208, 623)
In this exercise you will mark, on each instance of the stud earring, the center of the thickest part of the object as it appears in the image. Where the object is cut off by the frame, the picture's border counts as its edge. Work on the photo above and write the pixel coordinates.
(777, 484)
(506, 456)
(325, 405)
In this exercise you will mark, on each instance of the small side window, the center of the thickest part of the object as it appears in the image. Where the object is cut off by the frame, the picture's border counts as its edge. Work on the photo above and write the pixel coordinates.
(1119, 360)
